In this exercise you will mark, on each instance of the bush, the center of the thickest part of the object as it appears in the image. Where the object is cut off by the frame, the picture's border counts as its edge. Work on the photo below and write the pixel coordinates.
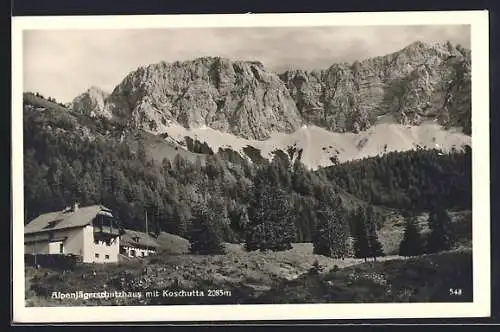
(316, 268)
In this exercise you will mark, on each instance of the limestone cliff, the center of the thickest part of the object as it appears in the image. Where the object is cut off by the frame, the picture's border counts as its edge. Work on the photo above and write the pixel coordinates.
(91, 103)
(417, 83)
(240, 98)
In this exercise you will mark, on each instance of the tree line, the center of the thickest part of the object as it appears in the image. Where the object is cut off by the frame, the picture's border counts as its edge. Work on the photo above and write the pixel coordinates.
(40, 96)
(416, 180)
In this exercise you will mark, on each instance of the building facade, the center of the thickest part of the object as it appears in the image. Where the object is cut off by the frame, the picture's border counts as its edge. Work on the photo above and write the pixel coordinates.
(137, 244)
(90, 232)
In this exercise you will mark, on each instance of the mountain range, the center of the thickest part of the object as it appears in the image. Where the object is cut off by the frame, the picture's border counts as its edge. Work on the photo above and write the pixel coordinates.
(417, 97)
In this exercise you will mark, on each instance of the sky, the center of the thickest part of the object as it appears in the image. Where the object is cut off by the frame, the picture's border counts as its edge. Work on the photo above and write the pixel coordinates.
(64, 63)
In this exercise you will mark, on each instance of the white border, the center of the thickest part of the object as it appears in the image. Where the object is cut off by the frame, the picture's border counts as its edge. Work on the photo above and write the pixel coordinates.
(480, 147)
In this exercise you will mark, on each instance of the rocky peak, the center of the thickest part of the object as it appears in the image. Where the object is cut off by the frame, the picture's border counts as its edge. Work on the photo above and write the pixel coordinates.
(412, 84)
(242, 98)
(91, 103)
(238, 97)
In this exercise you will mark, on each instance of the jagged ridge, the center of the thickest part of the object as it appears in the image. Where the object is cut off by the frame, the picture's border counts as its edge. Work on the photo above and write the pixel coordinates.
(418, 82)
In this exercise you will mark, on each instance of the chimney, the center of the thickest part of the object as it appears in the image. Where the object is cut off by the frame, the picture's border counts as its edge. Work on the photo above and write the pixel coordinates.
(75, 207)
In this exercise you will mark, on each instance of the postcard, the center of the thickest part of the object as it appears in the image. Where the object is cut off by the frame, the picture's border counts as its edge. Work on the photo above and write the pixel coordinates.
(250, 167)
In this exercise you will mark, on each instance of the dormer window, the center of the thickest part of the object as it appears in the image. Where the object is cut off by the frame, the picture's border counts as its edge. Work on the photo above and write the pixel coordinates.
(53, 223)
(136, 238)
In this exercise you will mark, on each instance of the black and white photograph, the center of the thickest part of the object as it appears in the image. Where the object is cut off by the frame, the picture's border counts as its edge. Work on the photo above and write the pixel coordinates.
(251, 166)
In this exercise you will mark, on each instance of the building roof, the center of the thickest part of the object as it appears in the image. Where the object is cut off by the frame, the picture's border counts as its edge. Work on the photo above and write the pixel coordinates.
(137, 239)
(66, 218)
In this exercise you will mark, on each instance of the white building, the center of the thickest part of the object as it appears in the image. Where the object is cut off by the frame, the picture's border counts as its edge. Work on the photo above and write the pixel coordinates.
(137, 244)
(90, 232)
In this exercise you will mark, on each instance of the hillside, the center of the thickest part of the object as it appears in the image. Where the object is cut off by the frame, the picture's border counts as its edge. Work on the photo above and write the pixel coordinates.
(255, 277)
(172, 244)
(423, 279)
(411, 180)
(244, 274)
(69, 156)
(50, 115)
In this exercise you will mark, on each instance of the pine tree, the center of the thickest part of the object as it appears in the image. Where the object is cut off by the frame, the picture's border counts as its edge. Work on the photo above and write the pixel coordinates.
(366, 243)
(300, 181)
(411, 245)
(282, 221)
(441, 236)
(331, 232)
(361, 244)
(205, 235)
(179, 222)
(375, 247)
(272, 226)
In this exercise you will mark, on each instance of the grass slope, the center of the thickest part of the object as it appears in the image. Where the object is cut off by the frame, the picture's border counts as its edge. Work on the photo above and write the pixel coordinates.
(254, 277)
(423, 279)
(172, 244)
(157, 147)
(245, 274)
(36, 101)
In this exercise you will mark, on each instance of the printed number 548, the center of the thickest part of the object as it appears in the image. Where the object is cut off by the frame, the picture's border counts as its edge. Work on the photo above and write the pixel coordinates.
(455, 291)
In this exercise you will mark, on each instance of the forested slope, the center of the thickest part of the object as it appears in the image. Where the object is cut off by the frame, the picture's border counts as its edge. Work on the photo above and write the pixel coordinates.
(71, 157)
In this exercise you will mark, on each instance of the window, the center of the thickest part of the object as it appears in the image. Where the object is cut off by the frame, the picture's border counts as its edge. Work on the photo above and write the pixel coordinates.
(132, 253)
(106, 256)
(143, 254)
(61, 248)
(96, 255)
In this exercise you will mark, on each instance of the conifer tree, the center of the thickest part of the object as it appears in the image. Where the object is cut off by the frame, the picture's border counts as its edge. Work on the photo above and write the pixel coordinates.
(366, 243)
(205, 235)
(411, 245)
(441, 236)
(331, 232)
(375, 247)
(271, 225)
(361, 245)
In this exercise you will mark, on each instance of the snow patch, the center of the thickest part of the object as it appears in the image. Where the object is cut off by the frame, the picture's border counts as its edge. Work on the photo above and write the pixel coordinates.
(384, 137)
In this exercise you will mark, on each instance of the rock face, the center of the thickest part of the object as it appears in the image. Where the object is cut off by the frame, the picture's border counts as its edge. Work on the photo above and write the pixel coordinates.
(91, 103)
(416, 83)
(235, 97)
